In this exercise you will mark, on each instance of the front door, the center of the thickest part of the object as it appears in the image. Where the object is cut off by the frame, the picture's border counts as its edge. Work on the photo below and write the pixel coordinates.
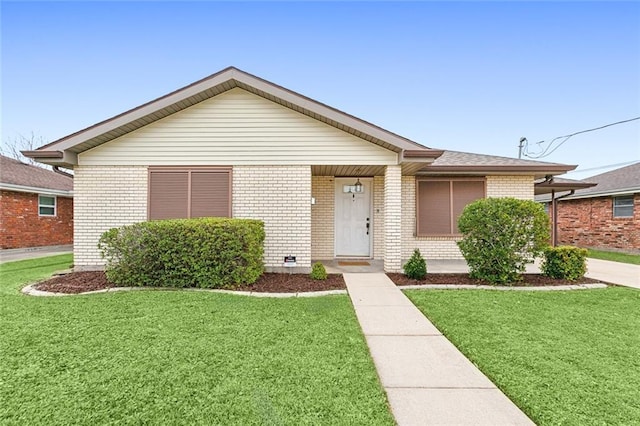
(353, 226)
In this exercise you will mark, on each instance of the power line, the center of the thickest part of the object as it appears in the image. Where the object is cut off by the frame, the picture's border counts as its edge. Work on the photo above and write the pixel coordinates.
(608, 166)
(543, 152)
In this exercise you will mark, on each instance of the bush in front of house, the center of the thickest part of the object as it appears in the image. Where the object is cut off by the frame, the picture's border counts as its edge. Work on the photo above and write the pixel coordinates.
(204, 252)
(416, 266)
(318, 272)
(502, 235)
(564, 262)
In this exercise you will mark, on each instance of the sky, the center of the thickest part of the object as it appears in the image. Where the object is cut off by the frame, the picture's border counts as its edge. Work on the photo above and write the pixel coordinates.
(465, 76)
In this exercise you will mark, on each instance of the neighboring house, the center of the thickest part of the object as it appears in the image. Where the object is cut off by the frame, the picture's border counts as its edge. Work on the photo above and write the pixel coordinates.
(605, 216)
(326, 184)
(36, 206)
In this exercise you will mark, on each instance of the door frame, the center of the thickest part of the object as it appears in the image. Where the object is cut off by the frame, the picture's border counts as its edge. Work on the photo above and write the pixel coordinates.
(338, 182)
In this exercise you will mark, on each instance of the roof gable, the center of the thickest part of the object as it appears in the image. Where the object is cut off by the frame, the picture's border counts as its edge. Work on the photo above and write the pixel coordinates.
(209, 87)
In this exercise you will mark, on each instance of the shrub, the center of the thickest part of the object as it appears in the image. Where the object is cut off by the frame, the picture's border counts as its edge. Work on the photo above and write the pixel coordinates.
(416, 266)
(502, 235)
(205, 252)
(318, 272)
(565, 262)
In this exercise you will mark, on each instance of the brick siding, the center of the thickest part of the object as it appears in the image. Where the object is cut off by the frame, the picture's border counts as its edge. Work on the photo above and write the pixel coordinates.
(21, 226)
(322, 217)
(589, 222)
(281, 197)
(105, 197)
(393, 219)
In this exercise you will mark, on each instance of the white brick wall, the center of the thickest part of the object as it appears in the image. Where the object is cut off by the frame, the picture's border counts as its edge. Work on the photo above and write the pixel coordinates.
(104, 198)
(322, 217)
(445, 247)
(510, 186)
(378, 217)
(393, 219)
(281, 197)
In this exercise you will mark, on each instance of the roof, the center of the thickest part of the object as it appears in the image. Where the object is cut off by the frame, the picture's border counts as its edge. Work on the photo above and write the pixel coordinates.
(413, 156)
(18, 176)
(456, 162)
(546, 187)
(625, 180)
(64, 151)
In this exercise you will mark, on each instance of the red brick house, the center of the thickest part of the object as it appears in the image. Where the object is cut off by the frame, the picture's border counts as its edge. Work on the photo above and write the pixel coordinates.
(36, 206)
(605, 216)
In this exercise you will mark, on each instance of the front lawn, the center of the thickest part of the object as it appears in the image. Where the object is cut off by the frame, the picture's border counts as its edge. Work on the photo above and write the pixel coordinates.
(563, 357)
(180, 357)
(634, 259)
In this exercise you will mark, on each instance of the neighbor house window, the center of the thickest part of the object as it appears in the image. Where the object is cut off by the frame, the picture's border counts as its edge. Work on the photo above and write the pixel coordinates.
(46, 205)
(177, 193)
(440, 201)
(623, 206)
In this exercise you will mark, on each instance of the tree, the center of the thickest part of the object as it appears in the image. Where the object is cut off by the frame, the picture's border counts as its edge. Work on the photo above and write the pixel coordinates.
(11, 147)
(502, 235)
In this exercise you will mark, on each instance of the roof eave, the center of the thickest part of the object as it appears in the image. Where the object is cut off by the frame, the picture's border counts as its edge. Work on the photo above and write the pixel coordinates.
(536, 170)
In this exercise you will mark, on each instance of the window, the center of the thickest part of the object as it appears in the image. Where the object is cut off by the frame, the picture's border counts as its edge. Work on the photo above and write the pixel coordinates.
(623, 206)
(46, 205)
(176, 193)
(439, 203)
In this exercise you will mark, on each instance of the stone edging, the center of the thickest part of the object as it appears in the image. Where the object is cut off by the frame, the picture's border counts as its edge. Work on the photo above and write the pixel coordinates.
(501, 288)
(32, 291)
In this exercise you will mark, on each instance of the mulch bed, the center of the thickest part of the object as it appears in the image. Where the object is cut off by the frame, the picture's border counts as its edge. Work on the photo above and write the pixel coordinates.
(528, 280)
(80, 282)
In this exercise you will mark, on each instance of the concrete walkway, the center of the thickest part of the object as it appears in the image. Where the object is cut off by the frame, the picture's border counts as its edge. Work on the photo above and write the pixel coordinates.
(426, 378)
(614, 272)
(11, 255)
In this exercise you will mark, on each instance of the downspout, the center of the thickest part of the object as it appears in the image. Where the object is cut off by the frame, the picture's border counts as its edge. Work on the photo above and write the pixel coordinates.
(60, 172)
(554, 205)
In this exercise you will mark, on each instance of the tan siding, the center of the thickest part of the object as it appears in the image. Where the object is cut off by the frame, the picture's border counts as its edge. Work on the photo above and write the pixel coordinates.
(237, 128)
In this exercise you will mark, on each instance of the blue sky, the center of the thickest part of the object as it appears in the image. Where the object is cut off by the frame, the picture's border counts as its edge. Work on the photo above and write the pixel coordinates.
(467, 76)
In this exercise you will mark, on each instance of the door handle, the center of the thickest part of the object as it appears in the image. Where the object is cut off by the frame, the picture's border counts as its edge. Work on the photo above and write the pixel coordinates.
(368, 226)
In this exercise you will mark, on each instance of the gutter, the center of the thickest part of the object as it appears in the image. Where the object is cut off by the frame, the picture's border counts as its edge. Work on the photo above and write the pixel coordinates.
(63, 173)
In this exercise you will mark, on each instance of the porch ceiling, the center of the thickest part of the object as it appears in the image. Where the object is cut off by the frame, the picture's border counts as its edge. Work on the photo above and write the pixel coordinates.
(347, 170)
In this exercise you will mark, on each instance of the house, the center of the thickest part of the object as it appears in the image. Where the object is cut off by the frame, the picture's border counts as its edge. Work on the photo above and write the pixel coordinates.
(605, 215)
(326, 184)
(36, 206)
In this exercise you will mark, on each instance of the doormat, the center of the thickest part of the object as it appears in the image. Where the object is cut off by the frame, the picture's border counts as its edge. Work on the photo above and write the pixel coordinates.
(353, 263)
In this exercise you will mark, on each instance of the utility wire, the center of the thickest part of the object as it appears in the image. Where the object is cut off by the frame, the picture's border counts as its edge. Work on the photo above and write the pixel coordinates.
(543, 152)
(608, 166)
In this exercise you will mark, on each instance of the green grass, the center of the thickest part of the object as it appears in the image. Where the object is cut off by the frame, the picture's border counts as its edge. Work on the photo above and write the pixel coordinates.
(180, 357)
(568, 358)
(634, 259)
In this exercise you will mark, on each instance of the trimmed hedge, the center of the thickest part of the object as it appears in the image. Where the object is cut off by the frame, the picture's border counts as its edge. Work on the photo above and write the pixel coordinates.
(565, 262)
(204, 252)
(502, 235)
(416, 266)
(318, 272)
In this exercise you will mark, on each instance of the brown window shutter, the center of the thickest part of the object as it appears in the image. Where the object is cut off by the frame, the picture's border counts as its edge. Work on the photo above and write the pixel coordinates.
(168, 195)
(464, 192)
(210, 194)
(434, 208)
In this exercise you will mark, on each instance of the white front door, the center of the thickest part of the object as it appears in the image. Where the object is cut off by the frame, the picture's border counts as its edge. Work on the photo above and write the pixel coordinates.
(354, 226)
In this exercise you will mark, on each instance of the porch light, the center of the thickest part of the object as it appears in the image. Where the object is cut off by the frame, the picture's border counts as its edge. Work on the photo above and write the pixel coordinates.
(358, 188)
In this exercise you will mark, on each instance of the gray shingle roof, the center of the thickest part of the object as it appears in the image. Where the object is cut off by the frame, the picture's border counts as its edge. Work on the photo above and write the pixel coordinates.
(15, 172)
(457, 158)
(623, 180)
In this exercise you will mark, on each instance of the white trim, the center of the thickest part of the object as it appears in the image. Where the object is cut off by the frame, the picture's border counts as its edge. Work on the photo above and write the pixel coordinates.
(35, 190)
(47, 206)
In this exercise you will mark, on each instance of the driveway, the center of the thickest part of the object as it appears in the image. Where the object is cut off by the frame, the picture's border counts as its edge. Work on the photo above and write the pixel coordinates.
(33, 252)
